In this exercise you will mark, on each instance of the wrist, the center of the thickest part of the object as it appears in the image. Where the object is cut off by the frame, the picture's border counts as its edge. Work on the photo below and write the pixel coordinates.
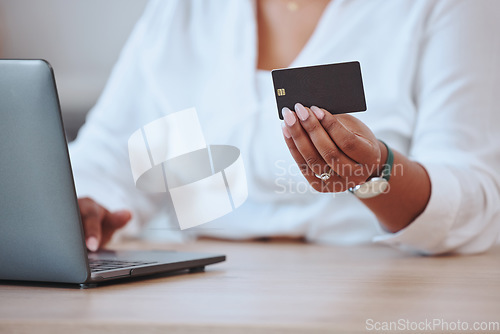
(379, 166)
(378, 183)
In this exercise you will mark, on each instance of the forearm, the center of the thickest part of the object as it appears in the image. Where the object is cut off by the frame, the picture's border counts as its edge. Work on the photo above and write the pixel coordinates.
(408, 194)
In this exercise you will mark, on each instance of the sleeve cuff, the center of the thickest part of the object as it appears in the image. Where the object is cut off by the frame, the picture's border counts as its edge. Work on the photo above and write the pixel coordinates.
(426, 234)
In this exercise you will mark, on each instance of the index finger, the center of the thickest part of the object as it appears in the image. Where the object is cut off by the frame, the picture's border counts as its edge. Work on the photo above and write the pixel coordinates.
(92, 216)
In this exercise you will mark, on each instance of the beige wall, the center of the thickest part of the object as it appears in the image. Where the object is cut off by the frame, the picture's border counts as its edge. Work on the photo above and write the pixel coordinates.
(81, 38)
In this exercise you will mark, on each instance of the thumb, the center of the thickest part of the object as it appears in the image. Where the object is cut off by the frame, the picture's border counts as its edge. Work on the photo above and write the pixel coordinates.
(118, 219)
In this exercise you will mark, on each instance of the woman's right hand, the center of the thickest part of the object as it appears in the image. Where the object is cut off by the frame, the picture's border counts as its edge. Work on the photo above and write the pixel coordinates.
(99, 224)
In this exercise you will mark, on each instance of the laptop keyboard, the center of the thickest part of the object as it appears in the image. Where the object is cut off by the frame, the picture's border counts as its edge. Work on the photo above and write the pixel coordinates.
(105, 265)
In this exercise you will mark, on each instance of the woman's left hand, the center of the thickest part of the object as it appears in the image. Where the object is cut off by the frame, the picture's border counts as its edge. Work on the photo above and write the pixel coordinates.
(340, 147)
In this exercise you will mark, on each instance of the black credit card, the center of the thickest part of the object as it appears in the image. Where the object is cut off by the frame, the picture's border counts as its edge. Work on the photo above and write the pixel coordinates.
(337, 88)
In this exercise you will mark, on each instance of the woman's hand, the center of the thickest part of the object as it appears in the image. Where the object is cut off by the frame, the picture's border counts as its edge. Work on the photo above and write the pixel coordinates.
(347, 151)
(340, 146)
(99, 224)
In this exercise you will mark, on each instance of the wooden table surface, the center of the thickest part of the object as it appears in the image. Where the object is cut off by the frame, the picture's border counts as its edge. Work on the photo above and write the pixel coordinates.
(271, 288)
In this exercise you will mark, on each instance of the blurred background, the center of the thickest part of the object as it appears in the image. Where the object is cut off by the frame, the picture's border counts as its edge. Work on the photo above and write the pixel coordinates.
(80, 38)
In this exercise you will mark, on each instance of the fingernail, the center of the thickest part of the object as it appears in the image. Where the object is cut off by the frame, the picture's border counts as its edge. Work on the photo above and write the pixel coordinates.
(320, 114)
(288, 116)
(286, 132)
(301, 111)
(92, 244)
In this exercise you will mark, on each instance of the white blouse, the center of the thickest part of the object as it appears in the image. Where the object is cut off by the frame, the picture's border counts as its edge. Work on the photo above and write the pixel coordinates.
(431, 75)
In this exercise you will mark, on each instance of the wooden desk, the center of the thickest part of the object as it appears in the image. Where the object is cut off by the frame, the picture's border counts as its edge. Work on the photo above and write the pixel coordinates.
(269, 288)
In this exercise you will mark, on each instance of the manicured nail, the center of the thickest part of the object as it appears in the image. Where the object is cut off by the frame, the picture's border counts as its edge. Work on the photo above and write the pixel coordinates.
(288, 116)
(286, 132)
(92, 244)
(320, 114)
(301, 111)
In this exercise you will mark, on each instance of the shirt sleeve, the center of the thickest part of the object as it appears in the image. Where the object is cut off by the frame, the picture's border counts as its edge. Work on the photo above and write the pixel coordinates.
(456, 137)
(99, 155)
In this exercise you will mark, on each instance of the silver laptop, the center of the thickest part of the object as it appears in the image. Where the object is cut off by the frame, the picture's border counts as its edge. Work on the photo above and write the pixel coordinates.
(41, 234)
